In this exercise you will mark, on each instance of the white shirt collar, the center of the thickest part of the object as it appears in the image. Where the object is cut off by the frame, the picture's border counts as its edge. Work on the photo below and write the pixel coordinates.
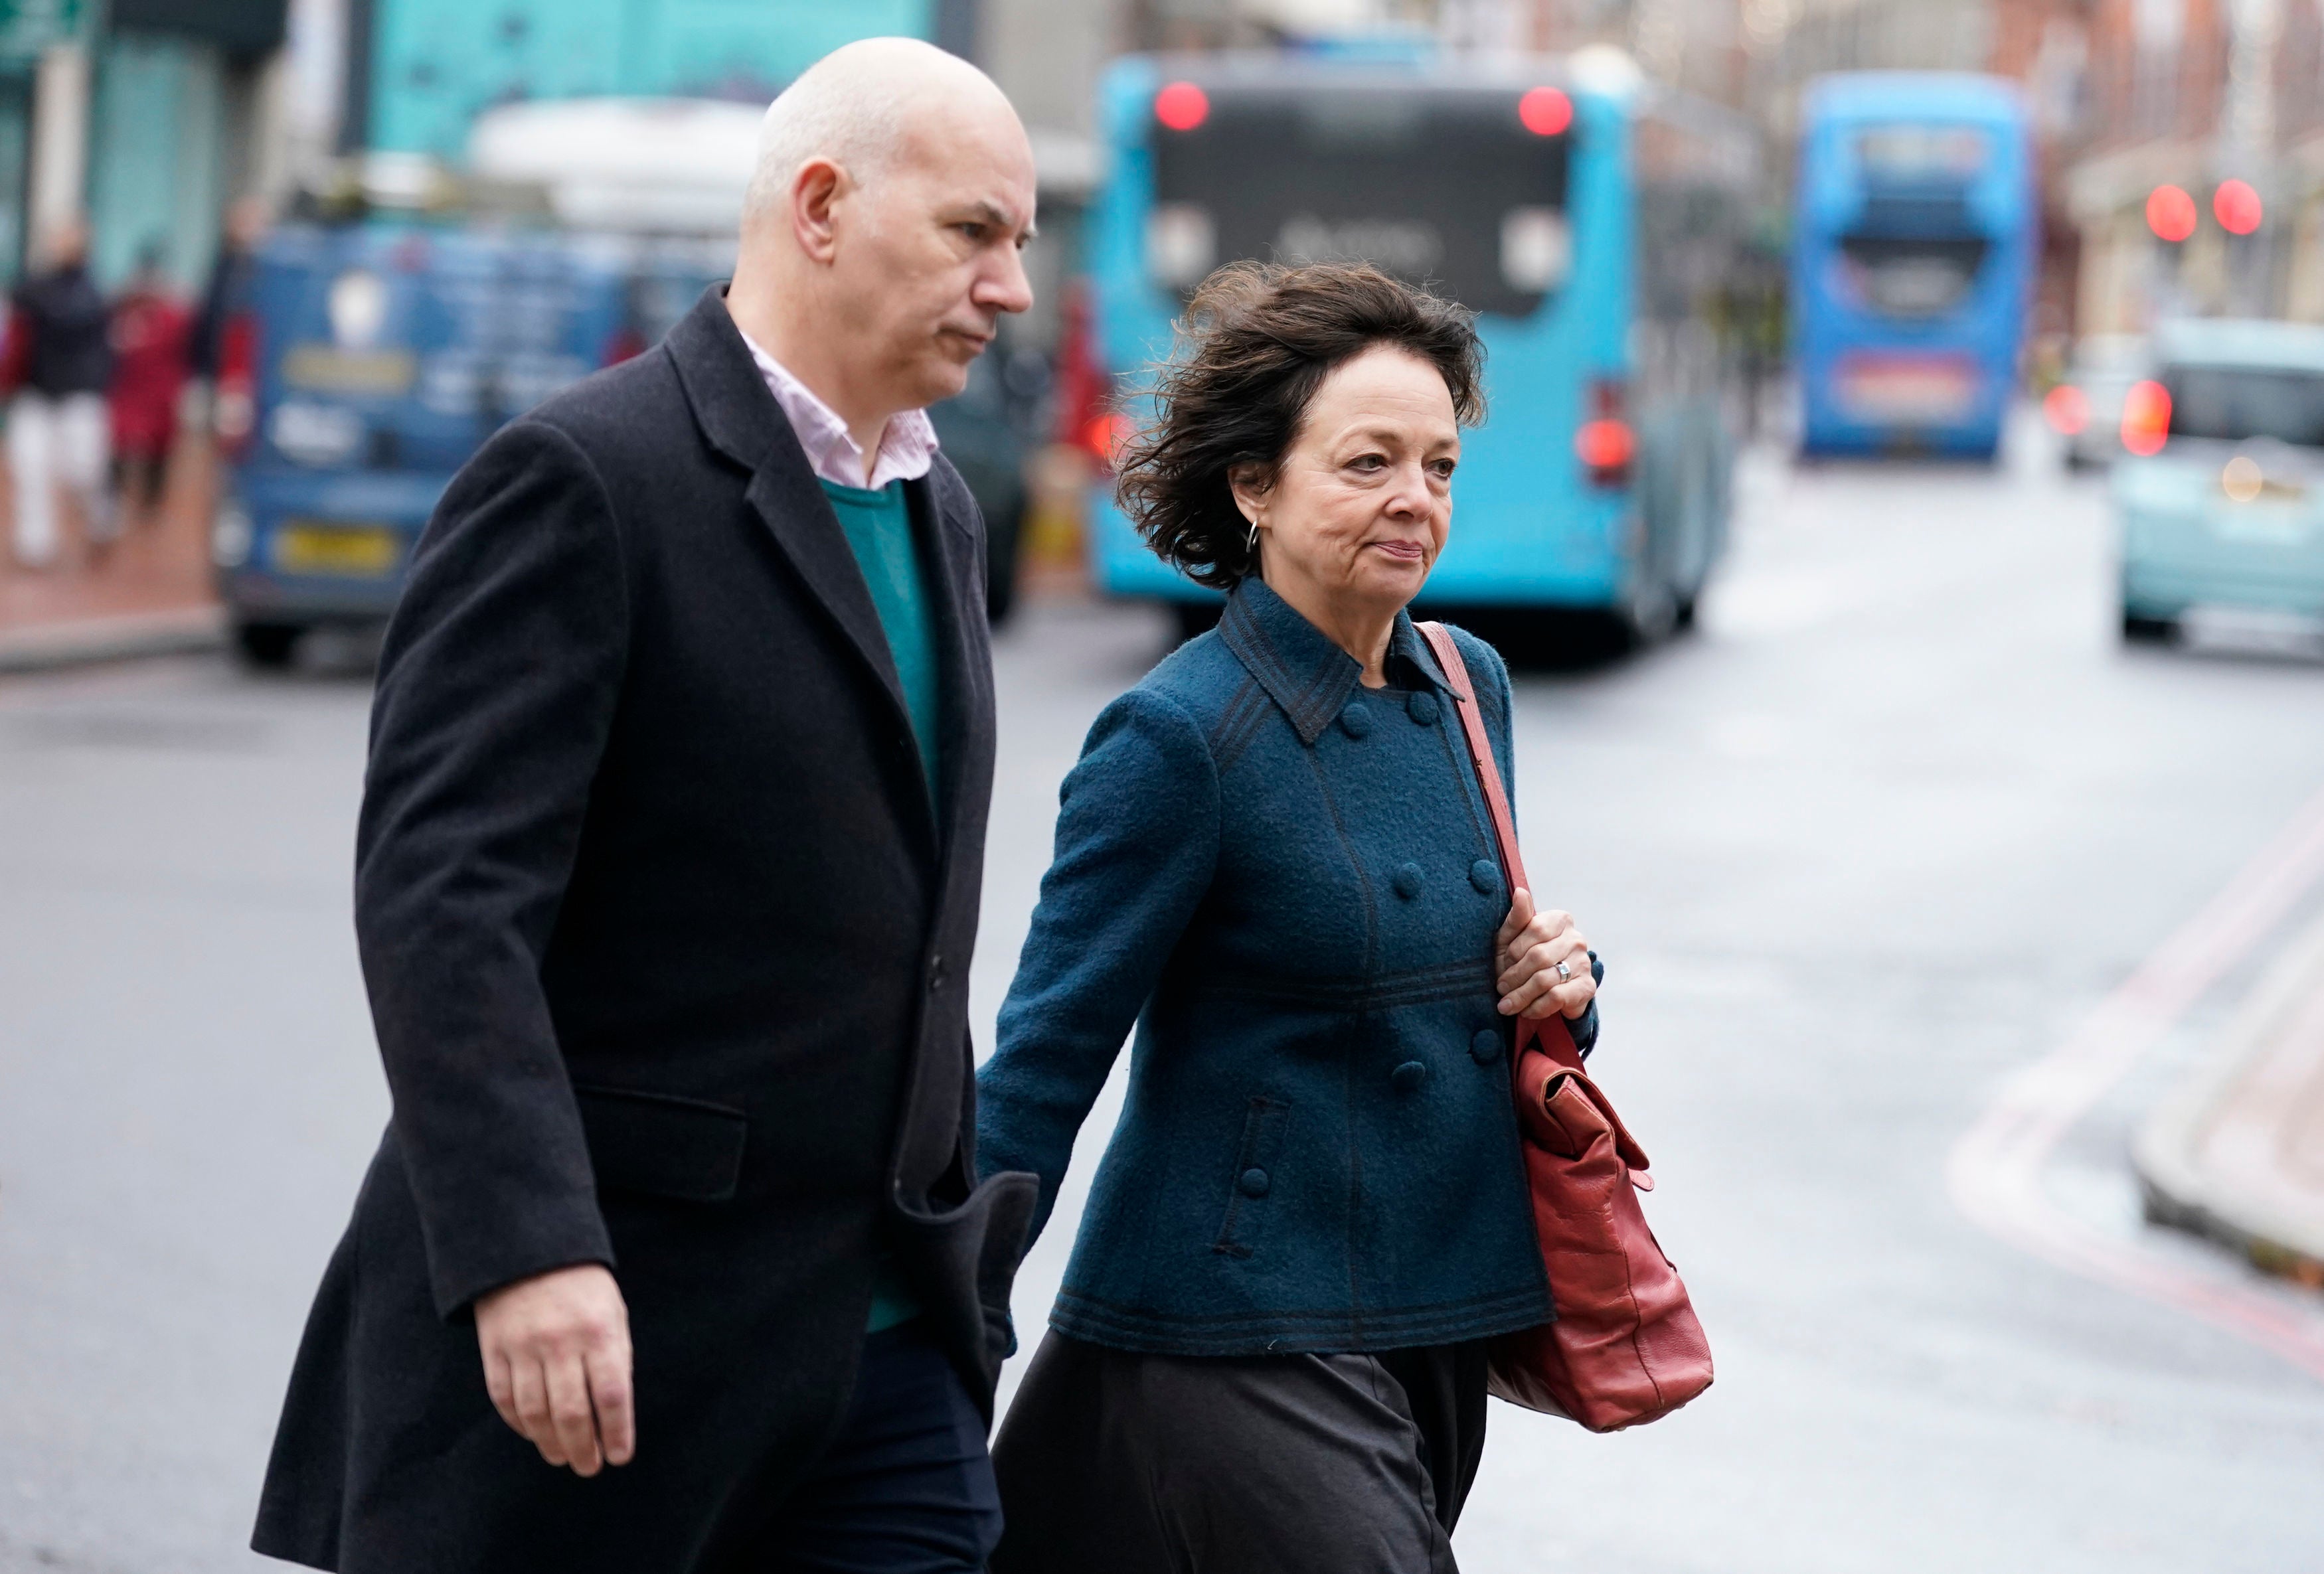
(907, 447)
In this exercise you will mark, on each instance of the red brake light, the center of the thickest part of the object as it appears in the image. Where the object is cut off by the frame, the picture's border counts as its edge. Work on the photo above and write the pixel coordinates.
(1604, 443)
(1182, 107)
(1545, 111)
(1103, 436)
(2145, 418)
(235, 413)
(2170, 213)
(2237, 206)
(2066, 408)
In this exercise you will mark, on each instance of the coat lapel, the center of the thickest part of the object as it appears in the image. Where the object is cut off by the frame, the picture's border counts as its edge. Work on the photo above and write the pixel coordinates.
(743, 422)
(953, 568)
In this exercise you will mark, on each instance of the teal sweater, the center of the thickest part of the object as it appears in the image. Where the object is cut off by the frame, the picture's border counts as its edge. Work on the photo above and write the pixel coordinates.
(879, 526)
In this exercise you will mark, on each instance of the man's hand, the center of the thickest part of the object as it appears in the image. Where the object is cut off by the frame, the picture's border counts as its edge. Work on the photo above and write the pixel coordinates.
(556, 1363)
(1530, 947)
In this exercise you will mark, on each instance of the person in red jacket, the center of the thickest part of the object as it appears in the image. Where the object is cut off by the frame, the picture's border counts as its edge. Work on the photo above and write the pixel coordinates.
(153, 335)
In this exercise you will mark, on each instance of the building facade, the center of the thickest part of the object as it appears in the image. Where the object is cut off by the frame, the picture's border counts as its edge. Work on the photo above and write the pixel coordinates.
(2196, 94)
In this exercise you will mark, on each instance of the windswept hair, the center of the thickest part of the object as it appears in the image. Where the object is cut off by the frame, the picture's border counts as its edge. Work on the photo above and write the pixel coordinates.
(1255, 343)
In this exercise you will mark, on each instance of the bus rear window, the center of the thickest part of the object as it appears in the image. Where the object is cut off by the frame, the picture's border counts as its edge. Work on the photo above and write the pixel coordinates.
(2234, 403)
(1447, 188)
(1913, 276)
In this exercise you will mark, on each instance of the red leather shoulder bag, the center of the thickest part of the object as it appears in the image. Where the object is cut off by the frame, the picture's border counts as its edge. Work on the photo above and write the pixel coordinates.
(1626, 1347)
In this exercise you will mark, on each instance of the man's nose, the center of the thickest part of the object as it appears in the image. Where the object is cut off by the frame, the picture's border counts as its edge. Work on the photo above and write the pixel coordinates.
(1004, 287)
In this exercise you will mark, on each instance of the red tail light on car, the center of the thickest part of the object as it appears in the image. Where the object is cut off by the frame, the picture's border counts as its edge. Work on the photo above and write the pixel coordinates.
(234, 414)
(2145, 418)
(1604, 443)
(2066, 408)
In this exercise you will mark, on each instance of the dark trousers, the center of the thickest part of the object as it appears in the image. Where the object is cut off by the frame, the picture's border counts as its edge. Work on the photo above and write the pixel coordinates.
(907, 1486)
(1114, 1462)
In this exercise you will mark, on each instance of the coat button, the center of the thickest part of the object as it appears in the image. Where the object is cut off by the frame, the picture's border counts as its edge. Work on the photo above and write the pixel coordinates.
(1357, 719)
(1408, 1076)
(1406, 880)
(1486, 876)
(1422, 708)
(1253, 1183)
(1485, 1049)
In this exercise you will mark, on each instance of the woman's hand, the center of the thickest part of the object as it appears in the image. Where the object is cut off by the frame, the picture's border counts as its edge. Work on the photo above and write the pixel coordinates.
(1531, 946)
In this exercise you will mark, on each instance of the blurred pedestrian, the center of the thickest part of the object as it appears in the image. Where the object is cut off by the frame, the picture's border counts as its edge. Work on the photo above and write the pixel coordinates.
(228, 292)
(152, 330)
(1274, 860)
(59, 363)
(667, 882)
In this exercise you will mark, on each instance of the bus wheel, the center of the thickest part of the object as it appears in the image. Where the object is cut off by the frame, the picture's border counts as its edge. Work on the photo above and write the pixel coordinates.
(267, 645)
(2140, 630)
(1651, 615)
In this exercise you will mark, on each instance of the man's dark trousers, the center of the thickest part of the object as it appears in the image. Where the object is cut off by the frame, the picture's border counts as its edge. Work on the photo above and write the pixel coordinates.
(668, 953)
(907, 1487)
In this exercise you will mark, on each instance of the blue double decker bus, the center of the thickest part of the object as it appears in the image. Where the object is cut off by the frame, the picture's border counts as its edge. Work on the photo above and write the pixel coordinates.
(1593, 223)
(1916, 231)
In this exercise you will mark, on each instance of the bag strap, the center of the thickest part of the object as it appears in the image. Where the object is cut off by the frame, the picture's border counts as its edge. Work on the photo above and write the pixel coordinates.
(1559, 1046)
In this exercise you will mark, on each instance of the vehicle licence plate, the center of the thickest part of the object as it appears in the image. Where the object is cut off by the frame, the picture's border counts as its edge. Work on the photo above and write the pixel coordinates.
(346, 551)
(1907, 389)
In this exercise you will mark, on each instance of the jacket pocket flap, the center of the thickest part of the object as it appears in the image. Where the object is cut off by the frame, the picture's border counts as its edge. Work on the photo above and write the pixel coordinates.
(663, 1146)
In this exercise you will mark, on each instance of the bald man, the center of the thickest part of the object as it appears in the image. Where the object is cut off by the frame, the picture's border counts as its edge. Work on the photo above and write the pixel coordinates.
(673, 1257)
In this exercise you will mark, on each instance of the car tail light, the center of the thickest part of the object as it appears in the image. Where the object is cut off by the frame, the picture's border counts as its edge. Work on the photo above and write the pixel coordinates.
(234, 414)
(1604, 443)
(2145, 418)
(2066, 408)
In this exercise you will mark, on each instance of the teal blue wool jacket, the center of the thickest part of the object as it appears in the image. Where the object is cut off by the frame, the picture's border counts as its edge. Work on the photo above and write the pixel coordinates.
(1287, 882)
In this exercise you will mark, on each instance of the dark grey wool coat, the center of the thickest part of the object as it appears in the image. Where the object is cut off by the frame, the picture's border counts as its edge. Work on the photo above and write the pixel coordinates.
(669, 957)
(1288, 883)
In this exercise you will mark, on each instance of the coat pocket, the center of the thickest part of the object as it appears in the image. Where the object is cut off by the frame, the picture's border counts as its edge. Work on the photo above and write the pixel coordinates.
(660, 1145)
(1253, 1177)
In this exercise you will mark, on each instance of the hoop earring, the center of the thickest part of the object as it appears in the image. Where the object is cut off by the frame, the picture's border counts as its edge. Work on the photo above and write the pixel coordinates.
(1251, 542)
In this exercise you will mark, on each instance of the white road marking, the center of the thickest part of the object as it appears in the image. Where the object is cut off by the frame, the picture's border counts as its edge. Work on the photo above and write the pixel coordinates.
(1994, 1171)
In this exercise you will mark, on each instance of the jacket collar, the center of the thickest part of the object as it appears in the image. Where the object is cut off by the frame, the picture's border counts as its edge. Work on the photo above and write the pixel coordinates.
(1302, 671)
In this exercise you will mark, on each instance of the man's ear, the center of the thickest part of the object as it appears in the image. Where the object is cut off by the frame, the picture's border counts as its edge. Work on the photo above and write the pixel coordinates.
(815, 190)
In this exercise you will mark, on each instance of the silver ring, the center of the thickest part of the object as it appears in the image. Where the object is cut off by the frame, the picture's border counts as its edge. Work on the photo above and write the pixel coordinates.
(1563, 973)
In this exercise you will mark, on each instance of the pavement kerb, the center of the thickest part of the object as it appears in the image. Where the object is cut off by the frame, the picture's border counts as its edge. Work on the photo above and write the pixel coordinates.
(176, 631)
(2179, 1188)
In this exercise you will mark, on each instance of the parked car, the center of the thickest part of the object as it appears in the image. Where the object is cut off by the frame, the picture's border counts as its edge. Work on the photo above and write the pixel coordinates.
(2085, 409)
(2220, 493)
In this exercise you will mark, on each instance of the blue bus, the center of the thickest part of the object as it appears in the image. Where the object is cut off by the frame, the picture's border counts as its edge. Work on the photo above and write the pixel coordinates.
(1591, 221)
(1916, 232)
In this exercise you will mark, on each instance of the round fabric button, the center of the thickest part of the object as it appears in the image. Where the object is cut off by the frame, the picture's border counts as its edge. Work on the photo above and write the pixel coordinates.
(1485, 1049)
(1408, 1076)
(1422, 708)
(1406, 880)
(1357, 719)
(1253, 1183)
(1486, 876)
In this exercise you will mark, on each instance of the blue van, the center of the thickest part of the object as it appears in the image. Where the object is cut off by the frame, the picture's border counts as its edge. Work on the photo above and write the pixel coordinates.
(371, 360)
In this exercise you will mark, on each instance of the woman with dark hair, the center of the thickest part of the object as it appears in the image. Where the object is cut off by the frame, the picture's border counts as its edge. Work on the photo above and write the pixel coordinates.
(1275, 859)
